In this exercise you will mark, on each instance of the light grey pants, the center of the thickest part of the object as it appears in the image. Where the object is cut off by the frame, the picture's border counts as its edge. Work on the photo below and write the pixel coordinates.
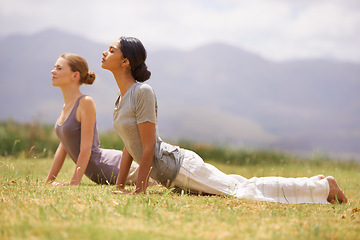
(197, 176)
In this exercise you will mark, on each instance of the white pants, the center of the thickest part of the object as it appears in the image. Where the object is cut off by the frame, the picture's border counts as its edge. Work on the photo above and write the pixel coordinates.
(197, 176)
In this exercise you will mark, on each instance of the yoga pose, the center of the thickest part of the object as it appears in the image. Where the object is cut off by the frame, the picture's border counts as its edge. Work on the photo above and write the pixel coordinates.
(135, 120)
(77, 130)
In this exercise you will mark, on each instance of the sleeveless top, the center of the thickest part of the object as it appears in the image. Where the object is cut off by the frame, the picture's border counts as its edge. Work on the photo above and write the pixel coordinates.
(139, 105)
(104, 164)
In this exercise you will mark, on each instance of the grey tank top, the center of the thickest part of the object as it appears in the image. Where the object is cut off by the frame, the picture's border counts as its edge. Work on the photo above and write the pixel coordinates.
(104, 164)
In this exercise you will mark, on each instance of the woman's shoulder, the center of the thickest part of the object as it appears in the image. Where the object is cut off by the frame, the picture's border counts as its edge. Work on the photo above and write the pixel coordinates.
(87, 103)
(86, 108)
(143, 88)
(86, 99)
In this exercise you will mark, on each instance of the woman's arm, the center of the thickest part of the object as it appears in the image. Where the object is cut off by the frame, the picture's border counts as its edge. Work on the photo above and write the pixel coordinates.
(126, 160)
(86, 114)
(147, 134)
(57, 164)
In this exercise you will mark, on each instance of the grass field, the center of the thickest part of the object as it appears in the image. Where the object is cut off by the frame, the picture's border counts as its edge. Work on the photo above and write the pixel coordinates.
(30, 209)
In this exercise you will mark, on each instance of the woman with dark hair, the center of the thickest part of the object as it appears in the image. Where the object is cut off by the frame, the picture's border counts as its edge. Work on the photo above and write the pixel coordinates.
(77, 130)
(135, 120)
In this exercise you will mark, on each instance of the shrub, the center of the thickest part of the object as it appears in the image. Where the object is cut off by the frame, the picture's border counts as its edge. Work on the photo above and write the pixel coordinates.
(237, 156)
(111, 140)
(29, 139)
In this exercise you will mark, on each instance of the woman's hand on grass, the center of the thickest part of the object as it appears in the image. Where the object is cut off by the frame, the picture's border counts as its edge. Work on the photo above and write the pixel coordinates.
(59, 184)
(124, 192)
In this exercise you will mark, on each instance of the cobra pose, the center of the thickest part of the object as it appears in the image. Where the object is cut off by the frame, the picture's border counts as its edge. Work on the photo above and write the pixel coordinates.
(77, 130)
(135, 120)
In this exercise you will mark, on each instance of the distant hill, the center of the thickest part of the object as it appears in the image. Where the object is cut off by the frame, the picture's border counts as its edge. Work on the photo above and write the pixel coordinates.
(216, 93)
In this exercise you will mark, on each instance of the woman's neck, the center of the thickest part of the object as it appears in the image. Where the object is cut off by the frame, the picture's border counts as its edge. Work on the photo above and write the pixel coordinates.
(124, 81)
(70, 94)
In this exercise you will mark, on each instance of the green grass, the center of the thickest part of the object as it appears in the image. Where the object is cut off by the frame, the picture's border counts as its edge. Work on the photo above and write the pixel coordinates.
(30, 209)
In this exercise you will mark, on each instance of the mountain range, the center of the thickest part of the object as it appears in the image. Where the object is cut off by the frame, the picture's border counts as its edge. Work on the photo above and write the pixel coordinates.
(217, 93)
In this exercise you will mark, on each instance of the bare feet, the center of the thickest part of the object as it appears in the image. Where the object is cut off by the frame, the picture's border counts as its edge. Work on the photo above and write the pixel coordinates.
(336, 195)
(320, 176)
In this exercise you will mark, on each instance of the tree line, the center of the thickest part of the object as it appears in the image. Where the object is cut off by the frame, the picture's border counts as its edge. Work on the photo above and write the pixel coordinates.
(38, 140)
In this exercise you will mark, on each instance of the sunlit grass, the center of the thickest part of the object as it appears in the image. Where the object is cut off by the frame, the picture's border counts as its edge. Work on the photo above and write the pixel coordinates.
(30, 209)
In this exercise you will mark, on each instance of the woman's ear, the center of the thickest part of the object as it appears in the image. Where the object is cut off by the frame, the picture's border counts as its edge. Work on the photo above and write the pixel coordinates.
(125, 62)
(76, 76)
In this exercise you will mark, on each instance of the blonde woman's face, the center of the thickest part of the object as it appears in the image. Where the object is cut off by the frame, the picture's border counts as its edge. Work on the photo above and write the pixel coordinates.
(112, 57)
(62, 73)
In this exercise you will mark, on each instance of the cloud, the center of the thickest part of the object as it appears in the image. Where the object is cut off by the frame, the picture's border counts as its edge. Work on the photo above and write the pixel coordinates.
(276, 29)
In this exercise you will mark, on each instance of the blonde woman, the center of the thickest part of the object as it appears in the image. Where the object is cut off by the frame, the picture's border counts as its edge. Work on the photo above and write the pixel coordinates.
(77, 130)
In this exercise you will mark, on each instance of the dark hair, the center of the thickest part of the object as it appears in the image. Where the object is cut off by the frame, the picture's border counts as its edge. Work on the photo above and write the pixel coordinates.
(79, 64)
(134, 51)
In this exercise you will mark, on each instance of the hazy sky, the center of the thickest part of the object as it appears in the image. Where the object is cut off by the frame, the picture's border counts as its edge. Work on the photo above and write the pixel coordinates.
(276, 29)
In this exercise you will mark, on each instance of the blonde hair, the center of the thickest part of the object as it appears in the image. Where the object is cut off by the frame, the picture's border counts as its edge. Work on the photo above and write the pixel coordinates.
(79, 64)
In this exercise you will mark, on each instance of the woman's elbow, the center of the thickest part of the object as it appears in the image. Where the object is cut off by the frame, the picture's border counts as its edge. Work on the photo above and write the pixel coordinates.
(86, 149)
(149, 152)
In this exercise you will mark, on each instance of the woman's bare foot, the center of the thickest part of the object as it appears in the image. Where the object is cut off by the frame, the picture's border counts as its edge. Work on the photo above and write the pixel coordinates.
(320, 176)
(336, 195)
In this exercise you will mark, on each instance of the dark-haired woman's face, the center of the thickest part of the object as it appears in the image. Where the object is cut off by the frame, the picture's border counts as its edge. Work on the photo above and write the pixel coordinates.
(112, 57)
